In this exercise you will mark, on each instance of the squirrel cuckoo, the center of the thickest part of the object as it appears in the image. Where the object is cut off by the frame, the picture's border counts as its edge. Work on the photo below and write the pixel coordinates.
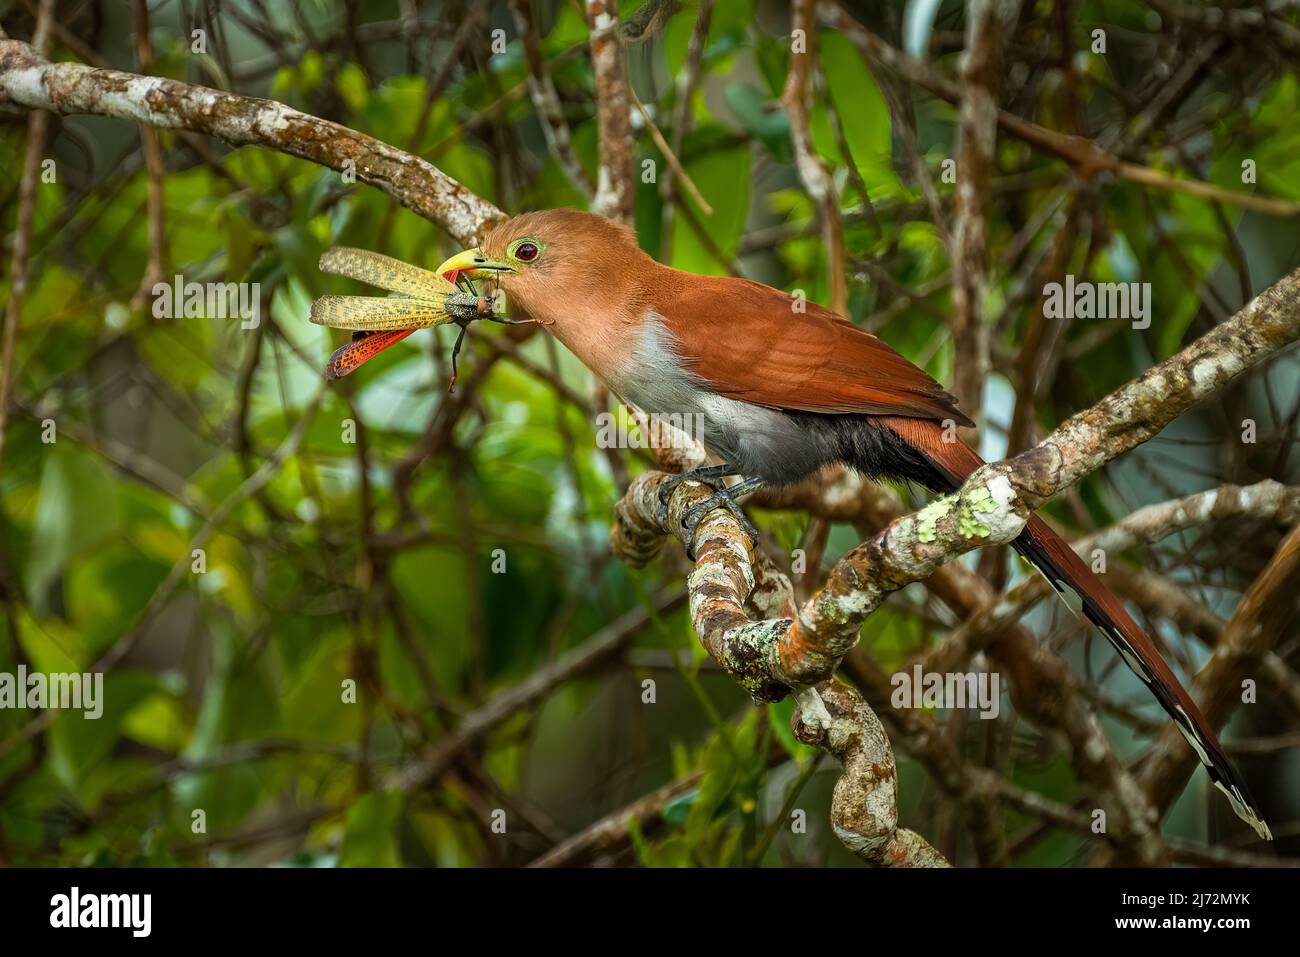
(784, 389)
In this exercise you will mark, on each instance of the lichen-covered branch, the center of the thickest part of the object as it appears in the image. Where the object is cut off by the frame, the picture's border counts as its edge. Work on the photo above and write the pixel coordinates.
(70, 88)
(720, 585)
(731, 590)
(864, 805)
(918, 732)
(1264, 501)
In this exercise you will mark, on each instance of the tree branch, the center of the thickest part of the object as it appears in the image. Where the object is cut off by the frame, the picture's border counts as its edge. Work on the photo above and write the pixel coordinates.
(615, 188)
(986, 21)
(593, 653)
(546, 100)
(1087, 158)
(813, 171)
(1251, 634)
(70, 88)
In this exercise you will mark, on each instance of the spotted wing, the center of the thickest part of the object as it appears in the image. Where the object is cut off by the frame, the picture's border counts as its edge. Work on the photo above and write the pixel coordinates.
(376, 313)
(384, 272)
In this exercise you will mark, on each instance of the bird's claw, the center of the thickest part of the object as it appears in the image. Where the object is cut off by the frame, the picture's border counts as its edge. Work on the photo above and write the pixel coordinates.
(710, 477)
(695, 514)
(665, 491)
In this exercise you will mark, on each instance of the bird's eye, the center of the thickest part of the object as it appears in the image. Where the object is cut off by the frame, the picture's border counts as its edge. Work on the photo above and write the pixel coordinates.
(526, 252)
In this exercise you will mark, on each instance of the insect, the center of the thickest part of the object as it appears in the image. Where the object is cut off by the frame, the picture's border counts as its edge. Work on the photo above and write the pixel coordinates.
(420, 300)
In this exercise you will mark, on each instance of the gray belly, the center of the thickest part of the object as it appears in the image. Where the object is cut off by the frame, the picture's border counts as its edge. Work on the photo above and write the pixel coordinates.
(758, 441)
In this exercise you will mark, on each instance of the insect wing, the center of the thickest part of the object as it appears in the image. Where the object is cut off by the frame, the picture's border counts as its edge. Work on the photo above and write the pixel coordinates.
(364, 346)
(384, 272)
(375, 313)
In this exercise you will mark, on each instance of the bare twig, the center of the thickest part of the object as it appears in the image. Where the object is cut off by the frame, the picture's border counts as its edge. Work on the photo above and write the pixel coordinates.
(812, 169)
(1087, 158)
(615, 187)
(592, 654)
(156, 265)
(687, 81)
(546, 100)
(611, 833)
(36, 127)
(986, 21)
(673, 162)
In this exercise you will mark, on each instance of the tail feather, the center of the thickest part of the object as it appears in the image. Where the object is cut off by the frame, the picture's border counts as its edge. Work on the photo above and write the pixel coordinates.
(1084, 593)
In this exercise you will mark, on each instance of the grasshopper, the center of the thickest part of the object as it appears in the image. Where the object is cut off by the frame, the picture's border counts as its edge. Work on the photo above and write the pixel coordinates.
(420, 300)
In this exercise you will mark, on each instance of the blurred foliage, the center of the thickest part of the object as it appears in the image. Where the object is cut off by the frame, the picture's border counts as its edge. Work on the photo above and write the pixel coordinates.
(373, 561)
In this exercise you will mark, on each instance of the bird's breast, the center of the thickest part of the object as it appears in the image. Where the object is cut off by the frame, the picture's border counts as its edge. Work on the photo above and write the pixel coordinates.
(651, 374)
(656, 377)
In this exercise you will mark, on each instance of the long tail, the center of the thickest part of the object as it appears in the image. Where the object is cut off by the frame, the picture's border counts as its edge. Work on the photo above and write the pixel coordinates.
(1084, 593)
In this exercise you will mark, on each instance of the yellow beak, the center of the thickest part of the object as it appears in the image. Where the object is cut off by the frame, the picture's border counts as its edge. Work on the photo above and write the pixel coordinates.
(471, 263)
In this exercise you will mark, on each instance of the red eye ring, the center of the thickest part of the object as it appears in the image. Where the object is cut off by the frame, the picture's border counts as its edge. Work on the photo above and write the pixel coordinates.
(526, 252)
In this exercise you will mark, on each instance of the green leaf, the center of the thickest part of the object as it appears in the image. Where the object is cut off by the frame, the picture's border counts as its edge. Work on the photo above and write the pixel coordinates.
(79, 743)
(761, 117)
(723, 178)
(863, 113)
(370, 832)
(675, 811)
(77, 509)
(352, 85)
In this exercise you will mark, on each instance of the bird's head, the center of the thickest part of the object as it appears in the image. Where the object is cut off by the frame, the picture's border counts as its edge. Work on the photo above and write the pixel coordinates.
(554, 266)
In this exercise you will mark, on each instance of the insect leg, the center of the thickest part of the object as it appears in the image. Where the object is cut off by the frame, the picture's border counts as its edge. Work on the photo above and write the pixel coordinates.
(455, 351)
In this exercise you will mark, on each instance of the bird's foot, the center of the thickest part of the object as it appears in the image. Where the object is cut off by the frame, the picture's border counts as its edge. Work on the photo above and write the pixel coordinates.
(726, 496)
(711, 476)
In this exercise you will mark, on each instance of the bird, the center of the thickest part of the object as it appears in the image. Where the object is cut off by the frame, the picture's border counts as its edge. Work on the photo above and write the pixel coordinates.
(783, 387)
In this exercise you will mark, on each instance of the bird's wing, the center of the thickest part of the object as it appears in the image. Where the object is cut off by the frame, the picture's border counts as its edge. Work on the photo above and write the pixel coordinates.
(757, 344)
